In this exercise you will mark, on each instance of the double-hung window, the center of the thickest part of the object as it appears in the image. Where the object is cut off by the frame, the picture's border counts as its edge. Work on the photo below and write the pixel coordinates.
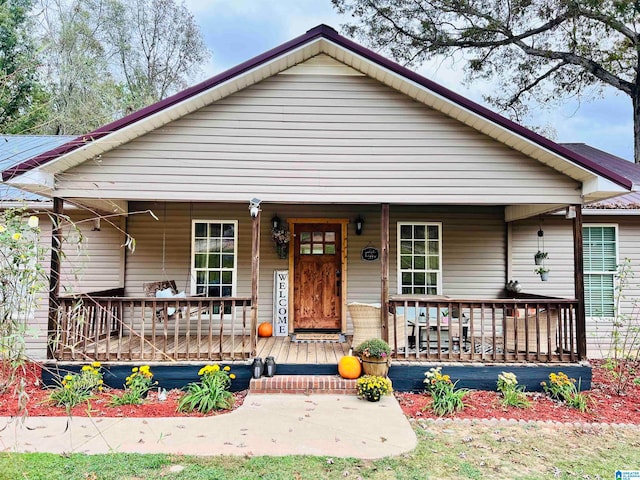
(600, 266)
(420, 258)
(214, 258)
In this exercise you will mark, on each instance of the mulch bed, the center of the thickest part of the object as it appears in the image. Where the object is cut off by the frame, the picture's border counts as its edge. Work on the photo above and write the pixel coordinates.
(605, 405)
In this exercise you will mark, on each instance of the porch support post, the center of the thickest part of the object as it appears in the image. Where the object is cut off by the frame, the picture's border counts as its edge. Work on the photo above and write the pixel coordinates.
(578, 268)
(54, 272)
(384, 269)
(255, 273)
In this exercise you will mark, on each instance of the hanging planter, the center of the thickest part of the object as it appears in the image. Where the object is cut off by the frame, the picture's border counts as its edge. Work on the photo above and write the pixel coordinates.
(543, 272)
(540, 257)
(283, 250)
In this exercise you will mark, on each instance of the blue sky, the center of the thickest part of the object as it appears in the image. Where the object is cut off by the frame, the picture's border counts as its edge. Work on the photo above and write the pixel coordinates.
(236, 30)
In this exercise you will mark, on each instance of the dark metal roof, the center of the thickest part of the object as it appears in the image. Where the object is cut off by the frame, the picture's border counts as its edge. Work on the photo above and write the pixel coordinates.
(321, 31)
(15, 149)
(624, 167)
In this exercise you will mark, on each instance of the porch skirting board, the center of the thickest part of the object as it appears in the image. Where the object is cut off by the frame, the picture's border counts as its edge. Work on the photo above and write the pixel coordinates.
(303, 384)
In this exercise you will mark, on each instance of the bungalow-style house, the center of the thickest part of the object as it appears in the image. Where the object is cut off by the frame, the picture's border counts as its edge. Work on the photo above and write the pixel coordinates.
(319, 187)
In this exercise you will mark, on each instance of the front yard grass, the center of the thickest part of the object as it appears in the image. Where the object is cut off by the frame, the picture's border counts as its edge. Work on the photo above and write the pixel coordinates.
(445, 450)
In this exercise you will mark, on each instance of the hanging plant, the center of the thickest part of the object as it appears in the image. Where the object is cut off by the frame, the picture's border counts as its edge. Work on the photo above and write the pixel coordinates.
(543, 272)
(539, 257)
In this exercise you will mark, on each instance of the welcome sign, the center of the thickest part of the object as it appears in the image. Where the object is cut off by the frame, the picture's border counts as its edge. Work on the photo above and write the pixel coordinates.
(281, 303)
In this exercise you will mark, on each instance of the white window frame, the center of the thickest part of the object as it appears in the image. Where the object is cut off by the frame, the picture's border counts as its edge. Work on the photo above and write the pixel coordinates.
(613, 273)
(234, 270)
(399, 268)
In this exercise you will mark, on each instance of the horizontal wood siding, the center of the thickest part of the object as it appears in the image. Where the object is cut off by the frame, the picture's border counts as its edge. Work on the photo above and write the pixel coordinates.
(91, 264)
(304, 137)
(558, 242)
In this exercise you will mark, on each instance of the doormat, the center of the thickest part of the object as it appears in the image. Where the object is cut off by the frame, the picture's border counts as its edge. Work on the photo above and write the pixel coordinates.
(318, 337)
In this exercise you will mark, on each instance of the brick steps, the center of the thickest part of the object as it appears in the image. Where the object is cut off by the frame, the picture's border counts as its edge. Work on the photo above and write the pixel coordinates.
(303, 384)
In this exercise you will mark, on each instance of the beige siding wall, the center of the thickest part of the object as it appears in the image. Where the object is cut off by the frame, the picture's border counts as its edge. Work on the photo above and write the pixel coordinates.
(558, 241)
(319, 133)
(92, 261)
(470, 270)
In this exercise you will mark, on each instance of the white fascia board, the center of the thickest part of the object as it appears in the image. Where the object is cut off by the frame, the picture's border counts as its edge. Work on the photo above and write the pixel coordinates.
(599, 186)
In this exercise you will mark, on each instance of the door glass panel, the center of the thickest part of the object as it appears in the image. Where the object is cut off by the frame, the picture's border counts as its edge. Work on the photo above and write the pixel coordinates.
(317, 249)
(330, 237)
(305, 249)
(305, 237)
(330, 249)
(317, 237)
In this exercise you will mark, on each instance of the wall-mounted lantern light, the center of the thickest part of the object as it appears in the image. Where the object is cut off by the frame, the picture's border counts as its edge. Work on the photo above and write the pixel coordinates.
(254, 207)
(275, 222)
(359, 223)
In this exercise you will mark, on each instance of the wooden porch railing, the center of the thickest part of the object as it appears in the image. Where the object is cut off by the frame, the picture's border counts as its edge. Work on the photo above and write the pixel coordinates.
(497, 330)
(115, 328)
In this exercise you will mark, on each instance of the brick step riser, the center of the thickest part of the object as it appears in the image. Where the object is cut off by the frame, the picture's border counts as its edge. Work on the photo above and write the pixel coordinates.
(303, 384)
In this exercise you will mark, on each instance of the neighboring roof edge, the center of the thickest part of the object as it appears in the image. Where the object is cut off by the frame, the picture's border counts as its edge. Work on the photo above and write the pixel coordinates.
(331, 34)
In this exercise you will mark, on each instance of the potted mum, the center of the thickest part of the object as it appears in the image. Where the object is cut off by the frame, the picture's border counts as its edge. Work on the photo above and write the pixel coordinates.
(373, 387)
(375, 354)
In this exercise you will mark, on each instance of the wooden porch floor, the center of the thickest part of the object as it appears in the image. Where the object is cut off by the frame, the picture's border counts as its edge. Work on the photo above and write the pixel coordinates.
(171, 348)
(283, 350)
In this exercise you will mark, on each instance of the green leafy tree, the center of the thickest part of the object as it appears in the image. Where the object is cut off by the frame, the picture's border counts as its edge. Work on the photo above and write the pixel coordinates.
(537, 51)
(23, 101)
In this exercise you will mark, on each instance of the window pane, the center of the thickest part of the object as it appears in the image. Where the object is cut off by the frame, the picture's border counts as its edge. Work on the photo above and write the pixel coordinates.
(418, 263)
(228, 230)
(330, 249)
(434, 263)
(305, 249)
(317, 237)
(228, 245)
(227, 261)
(433, 233)
(214, 245)
(432, 278)
(214, 292)
(214, 278)
(200, 289)
(215, 230)
(330, 237)
(406, 247)
(418, 248)
(405, 232)
(201, 277)
(419, 232)
(433, 248)
(317, 249)
(227, 277)
(226, 291)
(214, 261)
(201, 260)
(406, 290)
(305, 237)
(200, 246)
(201, 229)
(419, 290)
(406, 278)
(419, 278)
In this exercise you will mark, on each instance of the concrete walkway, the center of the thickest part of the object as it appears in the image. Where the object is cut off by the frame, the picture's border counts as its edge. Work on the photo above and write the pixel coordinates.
(266, 424)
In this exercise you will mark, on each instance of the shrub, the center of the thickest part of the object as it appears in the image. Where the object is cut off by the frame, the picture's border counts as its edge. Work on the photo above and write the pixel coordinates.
(136, 387)
(374, 347)
(76, 388)
(512, 394)
(210, 393)
(563, 388)
(446, 399)
(373, 387)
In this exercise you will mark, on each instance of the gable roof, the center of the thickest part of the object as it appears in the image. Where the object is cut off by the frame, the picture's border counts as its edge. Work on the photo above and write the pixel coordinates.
(598, 181)
(16, 149)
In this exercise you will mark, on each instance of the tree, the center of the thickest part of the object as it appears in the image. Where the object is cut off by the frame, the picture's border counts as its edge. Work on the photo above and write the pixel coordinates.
(22, 99)
(76, 66)
(158, 46)
(536, 50)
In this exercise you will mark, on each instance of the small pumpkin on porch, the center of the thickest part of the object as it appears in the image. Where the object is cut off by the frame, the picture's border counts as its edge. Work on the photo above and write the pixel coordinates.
(265, 329)
(349, 366)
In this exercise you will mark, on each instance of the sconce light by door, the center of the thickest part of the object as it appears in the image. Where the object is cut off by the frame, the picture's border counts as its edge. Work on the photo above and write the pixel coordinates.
(359, 223)
(275, 222)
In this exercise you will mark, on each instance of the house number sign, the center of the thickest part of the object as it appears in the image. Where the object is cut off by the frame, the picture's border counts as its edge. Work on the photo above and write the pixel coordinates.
(370, 254)
(281, 303)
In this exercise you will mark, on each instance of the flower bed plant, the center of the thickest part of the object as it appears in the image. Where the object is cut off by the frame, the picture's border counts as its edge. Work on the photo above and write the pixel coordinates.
(563, 388)
(446, 398)
(210, 393)
(77, 388)
(512, 394)
(136, 387)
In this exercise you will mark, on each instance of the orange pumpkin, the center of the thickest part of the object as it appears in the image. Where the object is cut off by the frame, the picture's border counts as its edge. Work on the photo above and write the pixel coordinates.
(349, 366)
(265, 329)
